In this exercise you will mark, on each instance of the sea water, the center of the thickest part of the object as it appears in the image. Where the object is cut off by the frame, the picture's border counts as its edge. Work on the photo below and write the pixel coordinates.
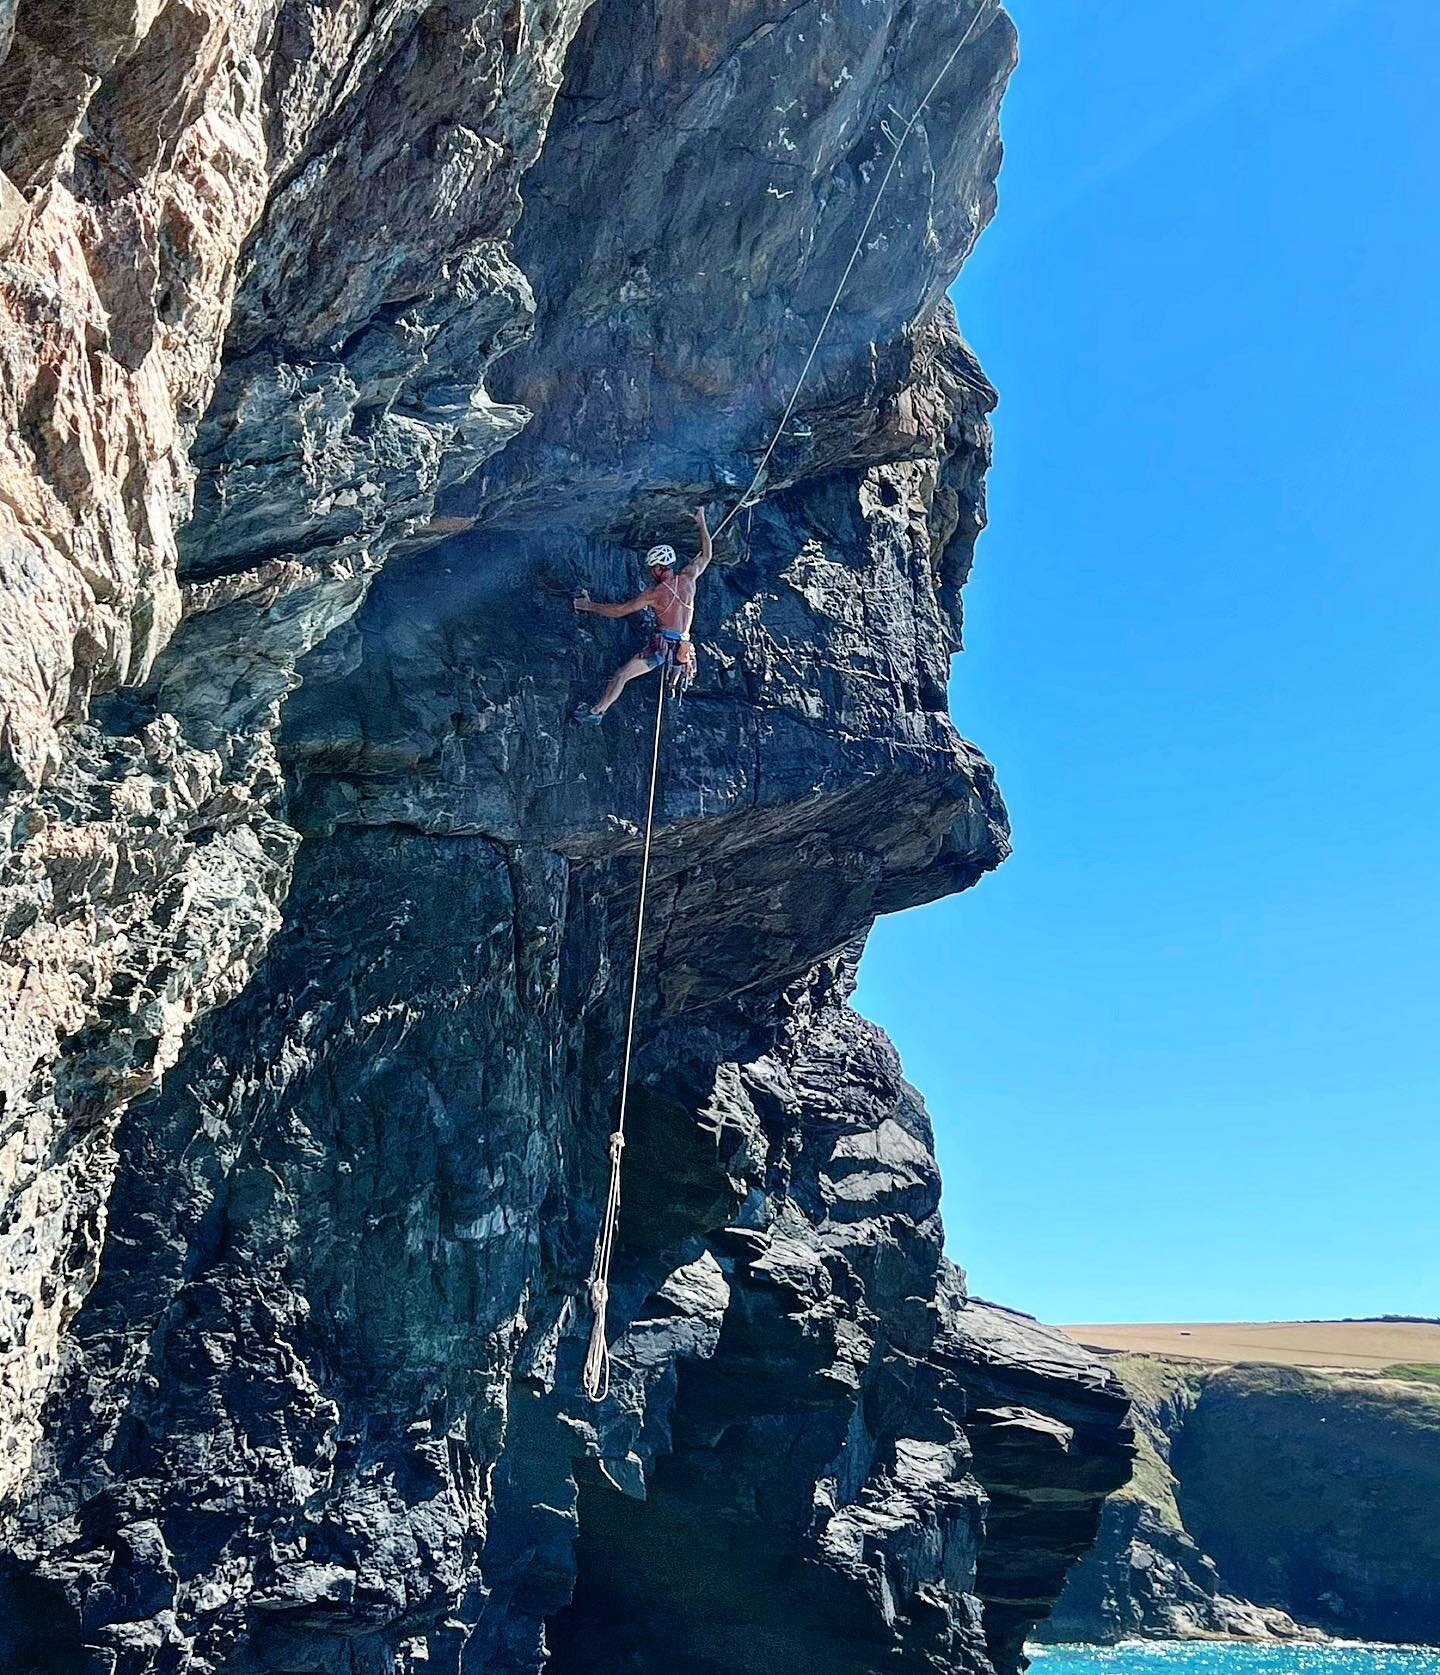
(1212, 1657)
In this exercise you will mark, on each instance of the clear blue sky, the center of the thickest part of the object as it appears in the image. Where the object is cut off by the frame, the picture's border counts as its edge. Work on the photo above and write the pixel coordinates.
(1181, 1050)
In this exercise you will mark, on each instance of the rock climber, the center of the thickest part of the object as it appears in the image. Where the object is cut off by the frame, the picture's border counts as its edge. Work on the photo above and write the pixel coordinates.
(671, 596)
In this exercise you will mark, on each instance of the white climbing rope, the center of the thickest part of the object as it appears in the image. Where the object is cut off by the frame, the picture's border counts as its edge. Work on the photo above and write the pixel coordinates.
(597, 1356)
(745, 499)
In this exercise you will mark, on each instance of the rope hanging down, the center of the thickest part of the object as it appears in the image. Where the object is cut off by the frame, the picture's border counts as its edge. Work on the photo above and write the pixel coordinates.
(597, 1356)
(745, 499)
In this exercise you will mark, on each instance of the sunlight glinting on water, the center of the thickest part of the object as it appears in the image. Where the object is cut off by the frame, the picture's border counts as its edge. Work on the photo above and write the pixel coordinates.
(1208, 1657)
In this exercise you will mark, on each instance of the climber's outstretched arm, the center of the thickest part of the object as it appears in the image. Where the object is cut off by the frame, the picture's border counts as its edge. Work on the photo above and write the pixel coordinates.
(583, 602)
(697, 565)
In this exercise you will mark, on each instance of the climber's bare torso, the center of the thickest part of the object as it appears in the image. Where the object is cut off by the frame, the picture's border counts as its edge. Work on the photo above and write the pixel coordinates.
(673, 600)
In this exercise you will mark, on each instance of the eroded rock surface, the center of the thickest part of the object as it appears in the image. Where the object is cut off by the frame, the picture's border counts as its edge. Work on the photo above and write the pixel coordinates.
(1049, 1432)
(174, 329)
(319, 1408)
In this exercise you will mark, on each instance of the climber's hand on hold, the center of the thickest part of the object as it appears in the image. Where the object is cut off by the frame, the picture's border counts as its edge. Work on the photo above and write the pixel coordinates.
(581, 601)
(697, 565)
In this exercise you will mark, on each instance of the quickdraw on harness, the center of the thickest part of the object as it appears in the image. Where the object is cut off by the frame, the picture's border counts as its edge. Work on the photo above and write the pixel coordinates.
(675, 654)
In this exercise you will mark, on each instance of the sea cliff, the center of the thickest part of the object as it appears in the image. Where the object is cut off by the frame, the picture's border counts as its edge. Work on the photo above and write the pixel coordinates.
(342, 345)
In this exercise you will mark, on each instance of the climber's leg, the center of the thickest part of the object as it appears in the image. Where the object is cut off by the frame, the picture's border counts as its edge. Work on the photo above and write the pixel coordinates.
(618, 682)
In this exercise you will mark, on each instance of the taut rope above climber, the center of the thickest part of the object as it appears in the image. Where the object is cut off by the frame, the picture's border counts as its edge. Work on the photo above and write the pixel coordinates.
(748, 498)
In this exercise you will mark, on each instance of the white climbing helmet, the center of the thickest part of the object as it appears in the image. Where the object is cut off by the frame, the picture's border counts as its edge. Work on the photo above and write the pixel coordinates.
(660, 555)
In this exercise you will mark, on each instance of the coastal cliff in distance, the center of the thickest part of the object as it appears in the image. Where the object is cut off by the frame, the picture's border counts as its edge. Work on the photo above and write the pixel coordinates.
(341, 346)
(1271, 1503)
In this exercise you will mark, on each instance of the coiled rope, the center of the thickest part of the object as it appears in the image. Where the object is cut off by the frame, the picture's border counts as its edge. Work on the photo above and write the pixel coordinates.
(597, 1355)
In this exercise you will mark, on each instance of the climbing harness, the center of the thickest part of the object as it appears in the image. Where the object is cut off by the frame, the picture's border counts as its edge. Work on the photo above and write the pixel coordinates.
(597, 1357)
(674, 653)
(897, 146)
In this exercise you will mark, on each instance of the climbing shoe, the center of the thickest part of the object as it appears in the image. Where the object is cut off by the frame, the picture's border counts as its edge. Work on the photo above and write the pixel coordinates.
(586, 716)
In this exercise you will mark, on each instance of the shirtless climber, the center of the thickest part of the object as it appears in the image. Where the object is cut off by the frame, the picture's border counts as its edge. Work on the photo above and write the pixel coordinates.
(672, 598)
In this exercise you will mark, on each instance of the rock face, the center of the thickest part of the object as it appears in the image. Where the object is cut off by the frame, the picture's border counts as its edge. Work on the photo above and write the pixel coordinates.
(1049, 1432)
(174, 178)
(1267, 1503)
(293, 1340)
